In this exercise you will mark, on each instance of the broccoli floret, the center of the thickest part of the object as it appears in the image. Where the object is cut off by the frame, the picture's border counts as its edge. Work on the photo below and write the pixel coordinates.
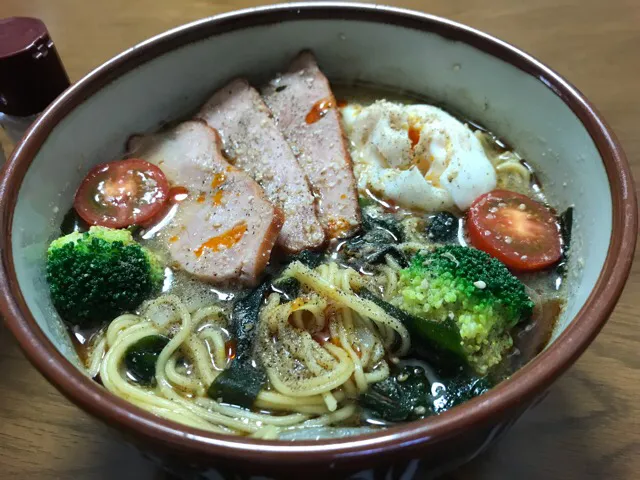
(97, 275)
(471, 288)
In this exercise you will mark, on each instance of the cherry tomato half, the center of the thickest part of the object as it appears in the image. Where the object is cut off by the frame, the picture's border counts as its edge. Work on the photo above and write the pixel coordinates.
(520, 232)
(121, 193)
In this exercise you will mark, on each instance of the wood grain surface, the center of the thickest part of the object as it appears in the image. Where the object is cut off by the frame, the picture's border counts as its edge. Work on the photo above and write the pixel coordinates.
(589, 425)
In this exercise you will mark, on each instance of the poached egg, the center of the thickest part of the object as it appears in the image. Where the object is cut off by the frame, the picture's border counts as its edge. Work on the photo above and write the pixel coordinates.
(417, 156)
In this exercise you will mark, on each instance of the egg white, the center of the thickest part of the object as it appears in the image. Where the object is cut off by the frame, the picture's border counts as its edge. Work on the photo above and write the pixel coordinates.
(418, 156)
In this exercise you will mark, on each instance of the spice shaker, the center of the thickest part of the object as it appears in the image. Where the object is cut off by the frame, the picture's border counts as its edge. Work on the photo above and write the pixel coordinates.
(31, 73)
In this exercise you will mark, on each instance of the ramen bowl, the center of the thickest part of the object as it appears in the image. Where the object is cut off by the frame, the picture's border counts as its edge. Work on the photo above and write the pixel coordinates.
(168, 76)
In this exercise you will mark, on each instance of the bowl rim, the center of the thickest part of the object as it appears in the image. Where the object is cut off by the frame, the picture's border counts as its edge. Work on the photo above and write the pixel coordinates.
(515, 393)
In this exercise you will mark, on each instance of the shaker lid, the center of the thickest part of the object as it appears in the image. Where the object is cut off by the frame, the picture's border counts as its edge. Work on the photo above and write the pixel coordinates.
(31, 72)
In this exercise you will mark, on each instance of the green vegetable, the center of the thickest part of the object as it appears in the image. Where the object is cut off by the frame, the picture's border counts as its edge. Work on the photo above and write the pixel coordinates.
(245, 320)
(98, 275)
(443, 227)
(241, 382)
(289, 288)
(371, 247)
(407, 394)
(459, 389)
(404, 395)
(443, 336)
(380, 238)
(472, 289)
(141, 358)
(382, 222)
(308, 258)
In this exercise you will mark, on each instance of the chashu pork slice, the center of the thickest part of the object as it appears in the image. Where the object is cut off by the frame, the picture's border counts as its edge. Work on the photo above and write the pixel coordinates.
(257, 146)
(305, 110)
(226, 227)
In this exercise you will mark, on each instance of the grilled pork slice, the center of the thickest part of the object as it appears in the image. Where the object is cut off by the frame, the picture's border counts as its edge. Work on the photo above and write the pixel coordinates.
(305, 110)
(252, 138)
(226, 227)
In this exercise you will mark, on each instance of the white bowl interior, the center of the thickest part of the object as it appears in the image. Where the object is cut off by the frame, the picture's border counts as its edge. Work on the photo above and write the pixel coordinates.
(511, 103)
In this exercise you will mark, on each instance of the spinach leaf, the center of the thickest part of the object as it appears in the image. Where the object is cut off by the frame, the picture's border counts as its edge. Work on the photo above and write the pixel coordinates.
(371, 248)
(241, 382)
(443, 227)
(380, 237)
(141, 358)
(407, 394)
(245, 320)
(404, 395)
(382, 222)
(289, 288)
(441, 336)
(459, 389)
(308, 258)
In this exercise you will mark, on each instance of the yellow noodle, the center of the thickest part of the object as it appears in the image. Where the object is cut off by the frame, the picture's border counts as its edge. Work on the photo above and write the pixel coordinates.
(271, 400)
(119, 324)
(216, 345)
(96, 350)
(201, 358)
(268, 432)
(510, 171)
(334, 417)
(330, 401)
(314, 385)
(365, 308)
(306, 379)
(183, 382)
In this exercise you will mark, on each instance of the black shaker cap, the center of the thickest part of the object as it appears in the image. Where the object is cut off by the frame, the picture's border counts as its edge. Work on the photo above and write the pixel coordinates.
(31, 72)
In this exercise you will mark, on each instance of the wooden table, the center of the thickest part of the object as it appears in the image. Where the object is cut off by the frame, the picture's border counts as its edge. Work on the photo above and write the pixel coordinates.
(587, 428)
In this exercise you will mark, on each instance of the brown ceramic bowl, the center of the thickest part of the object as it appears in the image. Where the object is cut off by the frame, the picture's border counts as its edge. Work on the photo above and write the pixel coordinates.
(168, 76)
